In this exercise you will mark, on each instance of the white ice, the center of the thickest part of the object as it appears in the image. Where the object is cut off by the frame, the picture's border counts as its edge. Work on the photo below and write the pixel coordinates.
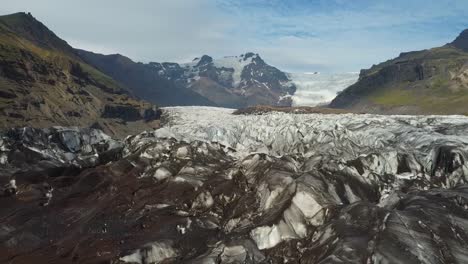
(317, 88)
(345, 136)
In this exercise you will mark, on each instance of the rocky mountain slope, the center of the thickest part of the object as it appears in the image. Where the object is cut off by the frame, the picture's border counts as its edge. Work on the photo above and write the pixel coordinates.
(235, 82)
(433, 81)
(43, 82)
(212, 187)
(246, 78)
(144, 80)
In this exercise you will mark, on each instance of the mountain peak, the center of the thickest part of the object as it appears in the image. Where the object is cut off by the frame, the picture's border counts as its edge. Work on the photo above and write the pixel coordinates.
(461, 42)
(205, 59)
(249, 55)
(21, 21)
(27, 26)
(18, 17)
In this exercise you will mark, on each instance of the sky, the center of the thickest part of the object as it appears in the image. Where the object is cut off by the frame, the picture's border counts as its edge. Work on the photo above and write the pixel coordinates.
(293, 35)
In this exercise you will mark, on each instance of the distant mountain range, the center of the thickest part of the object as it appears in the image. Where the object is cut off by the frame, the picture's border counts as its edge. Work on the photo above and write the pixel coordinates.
(433, 81)
(143, 80)
(236, 81)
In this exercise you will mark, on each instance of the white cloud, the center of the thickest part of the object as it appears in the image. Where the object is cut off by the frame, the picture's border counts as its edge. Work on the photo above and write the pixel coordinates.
(305, 37)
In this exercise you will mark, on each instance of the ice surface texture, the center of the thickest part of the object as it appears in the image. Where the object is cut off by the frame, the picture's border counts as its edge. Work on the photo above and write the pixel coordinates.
(211, 187)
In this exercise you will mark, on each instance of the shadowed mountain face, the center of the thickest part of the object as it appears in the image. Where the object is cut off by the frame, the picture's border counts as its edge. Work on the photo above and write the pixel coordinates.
(461, 42)
(143, 80)
(43, 83)
(431, 81)
(236, 81)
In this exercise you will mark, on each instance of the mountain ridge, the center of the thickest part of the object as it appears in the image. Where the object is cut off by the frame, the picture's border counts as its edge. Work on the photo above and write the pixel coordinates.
(26, 26)
(461, 42)
(142, 80)
(216, 80)
(431, 81)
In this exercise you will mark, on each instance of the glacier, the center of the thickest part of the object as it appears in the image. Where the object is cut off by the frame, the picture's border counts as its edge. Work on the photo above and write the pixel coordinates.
(315, 89)
(213, 187)
(343, 135)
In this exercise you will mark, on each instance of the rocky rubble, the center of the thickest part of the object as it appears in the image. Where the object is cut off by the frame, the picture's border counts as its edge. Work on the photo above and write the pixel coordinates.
(348, 189)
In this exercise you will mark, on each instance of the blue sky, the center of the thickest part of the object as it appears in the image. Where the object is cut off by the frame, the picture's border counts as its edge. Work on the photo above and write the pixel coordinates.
(294, 35)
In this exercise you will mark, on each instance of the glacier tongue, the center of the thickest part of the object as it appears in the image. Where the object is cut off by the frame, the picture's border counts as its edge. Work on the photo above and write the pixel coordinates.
(213, 187)
(317, 89)
(345, 136)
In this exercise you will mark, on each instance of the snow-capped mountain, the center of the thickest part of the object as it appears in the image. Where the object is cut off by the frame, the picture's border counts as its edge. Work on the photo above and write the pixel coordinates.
(315, 89)
(234, 81)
